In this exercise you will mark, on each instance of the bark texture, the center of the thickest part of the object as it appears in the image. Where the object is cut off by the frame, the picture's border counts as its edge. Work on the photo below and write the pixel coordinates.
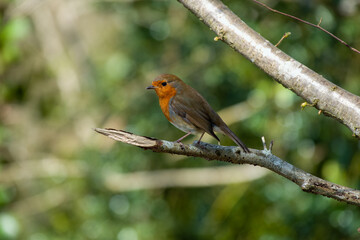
(263, 158)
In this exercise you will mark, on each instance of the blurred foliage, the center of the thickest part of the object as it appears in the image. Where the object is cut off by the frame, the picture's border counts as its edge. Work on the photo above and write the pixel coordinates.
(67, 66)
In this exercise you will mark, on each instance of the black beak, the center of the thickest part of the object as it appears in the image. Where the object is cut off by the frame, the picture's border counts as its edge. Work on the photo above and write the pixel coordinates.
(150, 87)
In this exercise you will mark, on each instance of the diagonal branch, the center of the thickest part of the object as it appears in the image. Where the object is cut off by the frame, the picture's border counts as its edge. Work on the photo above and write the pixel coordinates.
(263, 158)
(315, 89)
(308, 23)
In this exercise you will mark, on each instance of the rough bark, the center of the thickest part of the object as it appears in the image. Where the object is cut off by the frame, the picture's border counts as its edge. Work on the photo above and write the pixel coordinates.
(263, 158)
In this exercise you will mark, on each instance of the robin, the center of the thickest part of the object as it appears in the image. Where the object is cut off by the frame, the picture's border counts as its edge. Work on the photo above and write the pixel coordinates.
(187, 110)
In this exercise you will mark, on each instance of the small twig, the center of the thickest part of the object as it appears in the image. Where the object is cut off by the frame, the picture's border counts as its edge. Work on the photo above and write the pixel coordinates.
(271, 145)
(308, 23)
(306, 104)
(264, 143)
(320, 21)
(287, 34)
(263, 158)
(217, 38)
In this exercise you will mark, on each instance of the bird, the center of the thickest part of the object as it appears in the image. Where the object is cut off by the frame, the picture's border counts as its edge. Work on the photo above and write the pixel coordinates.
(187, 110)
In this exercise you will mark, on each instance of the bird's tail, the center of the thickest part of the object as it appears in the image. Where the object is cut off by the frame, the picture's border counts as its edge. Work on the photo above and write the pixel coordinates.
(226, 130)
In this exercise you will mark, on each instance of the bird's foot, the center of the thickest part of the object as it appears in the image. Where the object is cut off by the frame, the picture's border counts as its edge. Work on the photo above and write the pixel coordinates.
(182, 146)
(199, 144)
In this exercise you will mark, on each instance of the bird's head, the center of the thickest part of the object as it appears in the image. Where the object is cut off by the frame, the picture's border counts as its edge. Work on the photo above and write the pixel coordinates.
(166, 85)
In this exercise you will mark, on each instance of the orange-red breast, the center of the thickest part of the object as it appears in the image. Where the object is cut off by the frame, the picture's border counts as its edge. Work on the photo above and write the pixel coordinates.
(187, 110)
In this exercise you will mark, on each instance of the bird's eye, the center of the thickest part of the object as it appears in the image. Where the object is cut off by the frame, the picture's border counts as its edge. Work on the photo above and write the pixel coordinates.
(164, 84)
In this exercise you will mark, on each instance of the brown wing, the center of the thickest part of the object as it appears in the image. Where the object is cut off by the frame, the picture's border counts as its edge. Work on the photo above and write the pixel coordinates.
(193, 108)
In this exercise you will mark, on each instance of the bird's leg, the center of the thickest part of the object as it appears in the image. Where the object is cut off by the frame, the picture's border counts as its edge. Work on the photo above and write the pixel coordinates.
(180, 139)
(201, 137)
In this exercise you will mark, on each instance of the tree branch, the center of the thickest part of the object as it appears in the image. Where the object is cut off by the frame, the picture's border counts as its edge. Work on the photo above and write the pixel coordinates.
(308, 23)
(263, 158)
(192, 177)
(314, 88)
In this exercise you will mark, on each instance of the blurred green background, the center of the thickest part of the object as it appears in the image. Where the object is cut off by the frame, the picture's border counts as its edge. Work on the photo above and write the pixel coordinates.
(68, 66)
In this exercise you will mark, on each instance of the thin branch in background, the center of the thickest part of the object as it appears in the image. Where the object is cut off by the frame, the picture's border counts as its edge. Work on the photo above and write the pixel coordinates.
(308, 23)
(43, 202)
(193, 177)
(287, 34)
(263, 158)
